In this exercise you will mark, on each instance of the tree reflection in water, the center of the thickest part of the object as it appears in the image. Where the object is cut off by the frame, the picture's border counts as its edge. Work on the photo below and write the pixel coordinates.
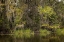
(36, 38)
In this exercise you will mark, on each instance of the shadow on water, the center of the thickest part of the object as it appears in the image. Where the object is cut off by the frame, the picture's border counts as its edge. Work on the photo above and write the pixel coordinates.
(36, 38)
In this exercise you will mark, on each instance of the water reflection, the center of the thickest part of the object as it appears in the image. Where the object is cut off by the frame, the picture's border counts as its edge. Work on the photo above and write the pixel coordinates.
(36, 38)
(6, 39)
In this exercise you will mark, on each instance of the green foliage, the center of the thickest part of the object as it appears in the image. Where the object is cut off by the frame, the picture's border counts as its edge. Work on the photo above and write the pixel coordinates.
(18, 33)
(60, 7)
(54, 26)
(53, 19)
(40, 9)
(37, 18)
(48, 14)
(19, 14)
(18, 10)
(23, 33)
(60, 32)
(47, 10)
(17, 19)
(44, 32)
(28, 33)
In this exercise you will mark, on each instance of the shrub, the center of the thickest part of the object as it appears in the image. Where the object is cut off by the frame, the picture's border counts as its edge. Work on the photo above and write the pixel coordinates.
(44, 32)
(60, 32)
(28, 33)
(18, 33)
(23, 33)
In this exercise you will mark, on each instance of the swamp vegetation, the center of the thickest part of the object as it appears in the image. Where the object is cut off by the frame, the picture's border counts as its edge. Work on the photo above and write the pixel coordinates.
(38, 20)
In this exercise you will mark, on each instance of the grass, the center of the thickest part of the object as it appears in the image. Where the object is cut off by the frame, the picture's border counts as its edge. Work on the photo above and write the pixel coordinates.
(44, 32)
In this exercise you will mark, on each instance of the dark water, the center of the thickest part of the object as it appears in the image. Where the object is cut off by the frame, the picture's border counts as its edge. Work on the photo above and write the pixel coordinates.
(32, 39)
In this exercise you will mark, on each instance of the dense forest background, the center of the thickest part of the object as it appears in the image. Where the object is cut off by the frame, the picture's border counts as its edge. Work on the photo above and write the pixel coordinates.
(31, 14)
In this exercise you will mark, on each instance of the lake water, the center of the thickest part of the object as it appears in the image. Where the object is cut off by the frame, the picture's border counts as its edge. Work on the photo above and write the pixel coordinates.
(36, 38)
